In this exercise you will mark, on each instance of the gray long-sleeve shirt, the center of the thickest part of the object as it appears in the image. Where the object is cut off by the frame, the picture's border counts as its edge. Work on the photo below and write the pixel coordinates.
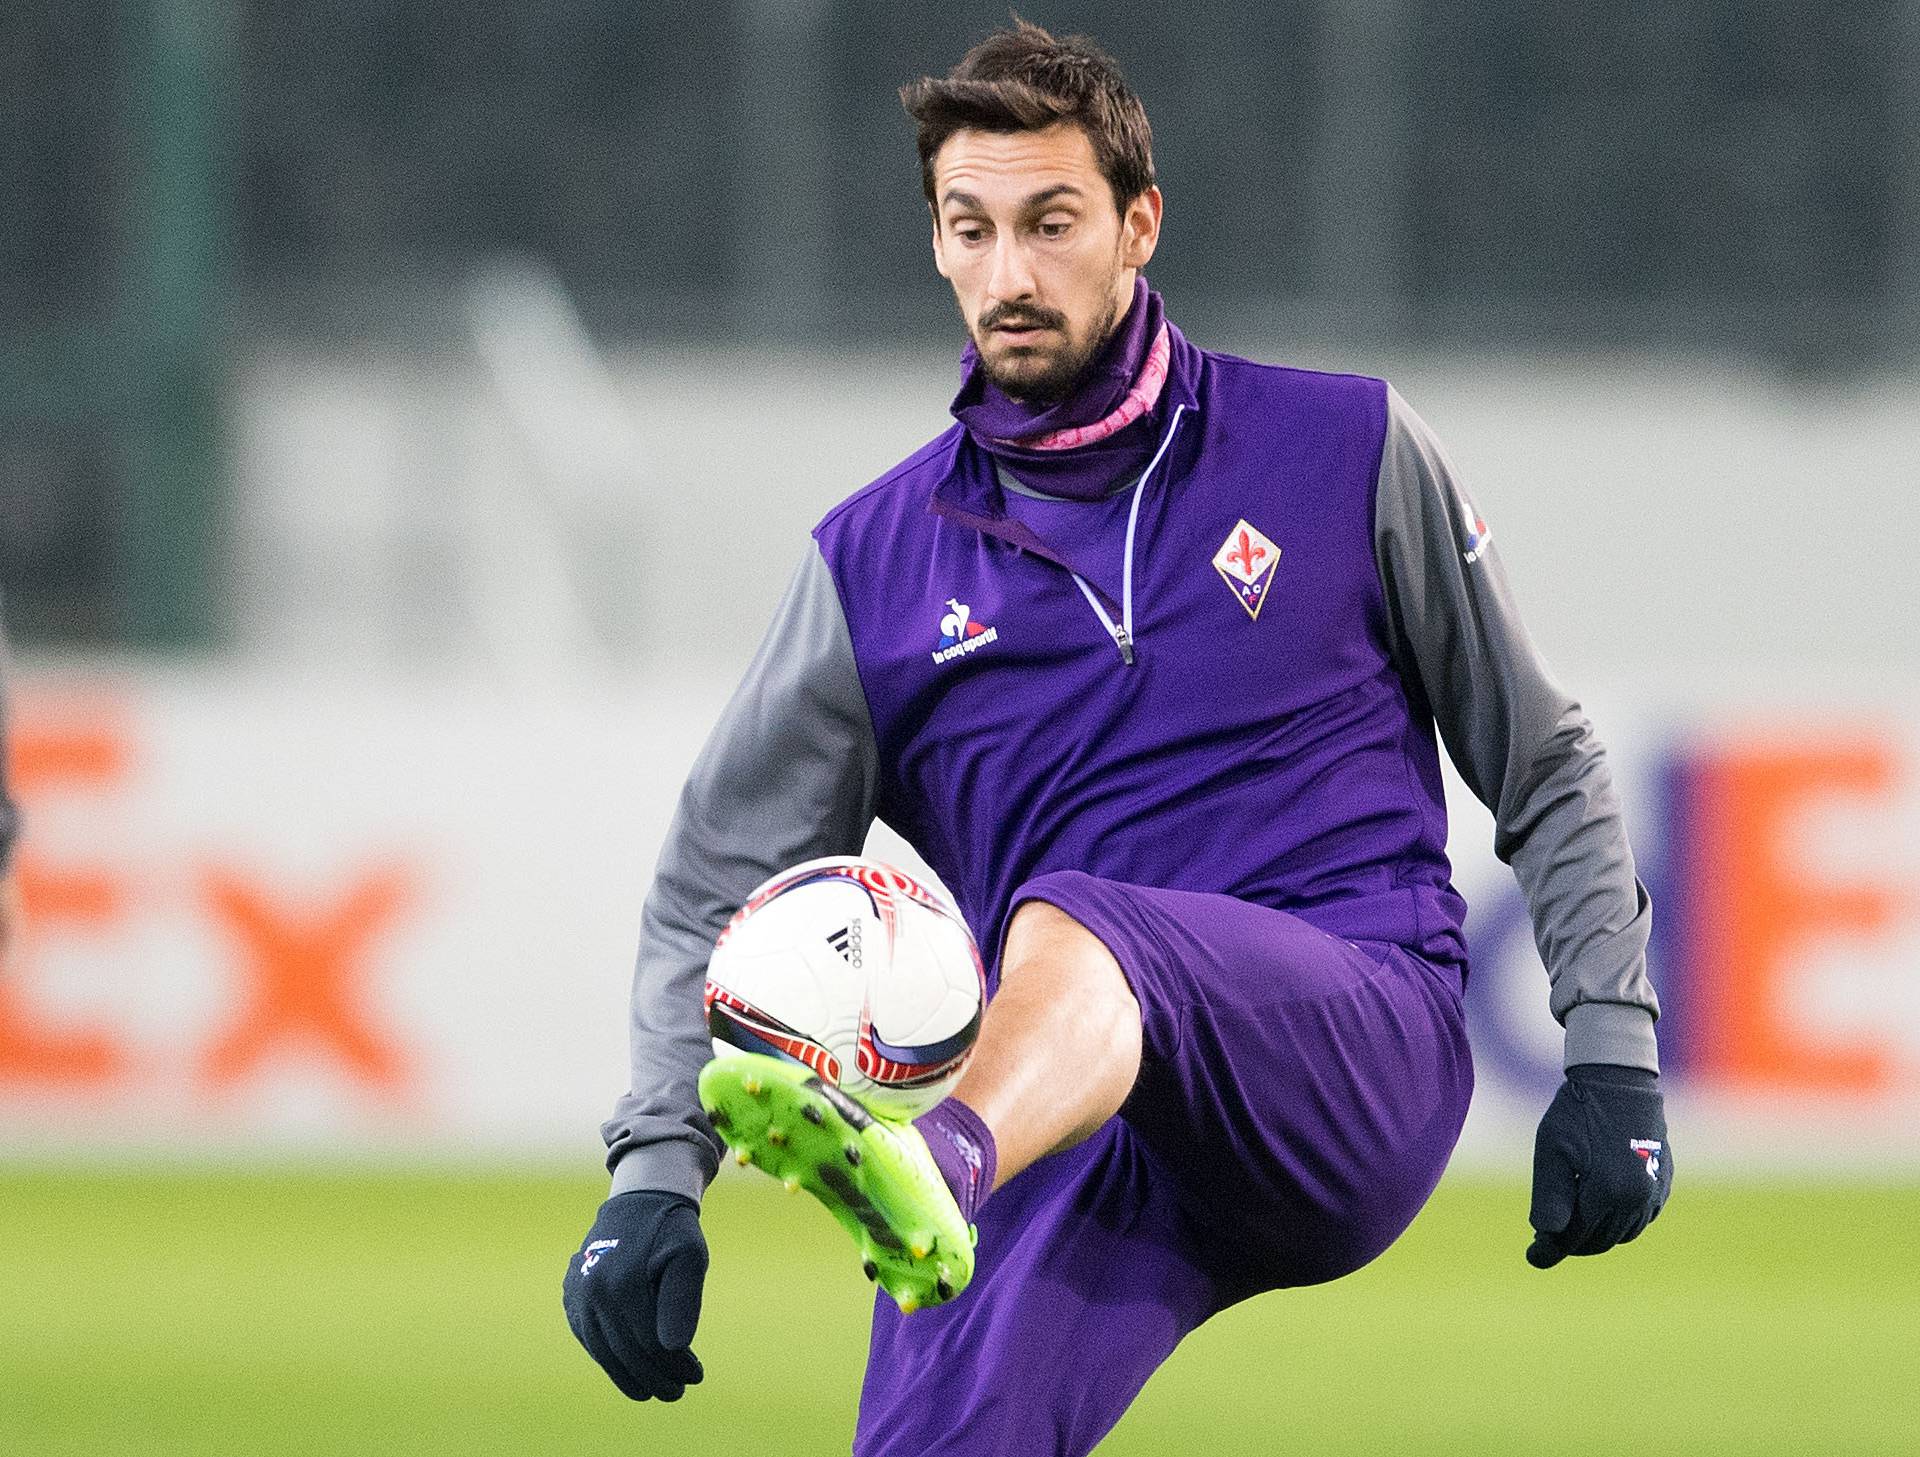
(791, 769)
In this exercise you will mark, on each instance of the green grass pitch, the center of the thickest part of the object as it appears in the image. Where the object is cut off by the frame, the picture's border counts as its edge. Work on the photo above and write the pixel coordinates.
(161, 1313)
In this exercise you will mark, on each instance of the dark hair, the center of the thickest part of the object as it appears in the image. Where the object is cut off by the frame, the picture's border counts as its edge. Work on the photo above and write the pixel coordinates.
(1023, 80)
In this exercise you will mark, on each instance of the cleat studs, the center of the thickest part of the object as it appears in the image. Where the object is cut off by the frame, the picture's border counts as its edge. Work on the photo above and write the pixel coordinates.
(742, 1157)
(920, 1249)
(853, 1156)
(752, 1086)
(777, 1137)
(943, 1289)
(790, 1184)
(811, 1114)
(869, 1269)
(909, 1304)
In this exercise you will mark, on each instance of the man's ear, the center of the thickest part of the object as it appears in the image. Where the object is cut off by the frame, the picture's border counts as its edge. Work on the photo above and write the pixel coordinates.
(1140, 229)
(939, 246)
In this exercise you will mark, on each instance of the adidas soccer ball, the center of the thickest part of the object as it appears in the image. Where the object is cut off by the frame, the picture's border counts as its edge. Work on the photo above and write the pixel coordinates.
(856, 970)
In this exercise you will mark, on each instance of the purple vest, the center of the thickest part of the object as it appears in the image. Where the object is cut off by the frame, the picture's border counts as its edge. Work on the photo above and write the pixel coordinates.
(1260, 743)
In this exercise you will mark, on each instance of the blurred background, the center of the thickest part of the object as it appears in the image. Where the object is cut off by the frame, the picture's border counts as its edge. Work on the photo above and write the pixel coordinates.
(409, 414)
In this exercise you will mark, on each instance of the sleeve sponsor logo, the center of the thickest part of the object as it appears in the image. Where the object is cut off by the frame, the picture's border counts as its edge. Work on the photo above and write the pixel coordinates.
(1479, 534)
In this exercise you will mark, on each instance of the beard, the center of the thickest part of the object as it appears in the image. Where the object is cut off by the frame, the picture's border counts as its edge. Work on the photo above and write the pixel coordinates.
(1031, 375)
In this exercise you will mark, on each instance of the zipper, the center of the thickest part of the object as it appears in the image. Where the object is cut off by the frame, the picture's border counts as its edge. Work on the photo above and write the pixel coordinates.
(1122, 639)
(1122, 631)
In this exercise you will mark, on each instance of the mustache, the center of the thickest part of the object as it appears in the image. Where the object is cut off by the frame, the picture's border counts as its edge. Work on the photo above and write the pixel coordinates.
(1021, 317)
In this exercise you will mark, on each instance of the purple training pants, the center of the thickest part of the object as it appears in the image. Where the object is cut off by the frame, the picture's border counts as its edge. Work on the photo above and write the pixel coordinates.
(1299, 1096)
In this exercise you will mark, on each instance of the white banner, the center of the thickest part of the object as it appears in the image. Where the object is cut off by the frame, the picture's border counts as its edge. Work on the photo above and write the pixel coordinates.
(264, 913)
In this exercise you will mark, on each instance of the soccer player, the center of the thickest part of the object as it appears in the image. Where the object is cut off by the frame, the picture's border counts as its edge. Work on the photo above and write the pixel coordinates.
(1187, 793)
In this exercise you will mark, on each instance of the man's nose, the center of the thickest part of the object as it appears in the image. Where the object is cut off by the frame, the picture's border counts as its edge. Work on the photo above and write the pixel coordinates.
(1012, 276)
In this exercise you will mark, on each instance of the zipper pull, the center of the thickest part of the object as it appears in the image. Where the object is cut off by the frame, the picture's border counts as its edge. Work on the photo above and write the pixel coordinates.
(1126, 644)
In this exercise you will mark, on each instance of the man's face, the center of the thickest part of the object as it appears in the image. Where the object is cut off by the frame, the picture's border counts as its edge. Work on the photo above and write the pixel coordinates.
(1041, 261)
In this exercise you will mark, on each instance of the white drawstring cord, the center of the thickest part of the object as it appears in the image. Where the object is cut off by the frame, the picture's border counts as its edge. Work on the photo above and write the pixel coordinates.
(1122, 632)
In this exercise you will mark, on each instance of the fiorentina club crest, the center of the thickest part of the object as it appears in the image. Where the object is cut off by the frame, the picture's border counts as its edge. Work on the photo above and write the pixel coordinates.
(1246, 562)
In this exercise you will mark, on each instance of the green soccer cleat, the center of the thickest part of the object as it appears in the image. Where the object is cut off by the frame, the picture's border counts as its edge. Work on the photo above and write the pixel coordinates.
(875, 1175)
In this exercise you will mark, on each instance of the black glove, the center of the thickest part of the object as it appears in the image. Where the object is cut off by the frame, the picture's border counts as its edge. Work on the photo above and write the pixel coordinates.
(1601, 1164)
(632, 1292)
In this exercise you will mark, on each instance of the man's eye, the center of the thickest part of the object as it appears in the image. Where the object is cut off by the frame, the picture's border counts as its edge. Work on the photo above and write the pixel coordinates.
(1054, 230)
(969, 233)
